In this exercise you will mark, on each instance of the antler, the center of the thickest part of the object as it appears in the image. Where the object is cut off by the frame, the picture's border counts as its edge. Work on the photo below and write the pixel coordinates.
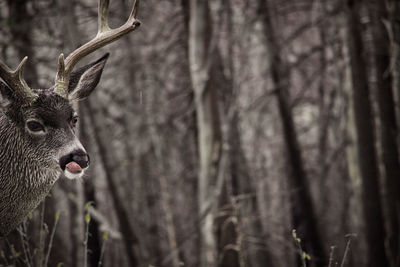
(15, 80)
(104, 36)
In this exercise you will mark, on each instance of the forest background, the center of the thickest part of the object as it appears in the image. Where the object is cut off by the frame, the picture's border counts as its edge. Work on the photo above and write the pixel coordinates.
(218, 128)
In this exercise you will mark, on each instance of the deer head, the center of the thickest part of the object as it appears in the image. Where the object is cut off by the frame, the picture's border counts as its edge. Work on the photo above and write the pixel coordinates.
(37, 126)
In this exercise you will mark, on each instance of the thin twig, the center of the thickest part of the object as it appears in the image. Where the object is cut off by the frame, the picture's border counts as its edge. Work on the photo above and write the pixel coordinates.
(87, 221)
(103, 246)
(303, 254)
(24, 243)
(331, 256)
(350, 237)
(51, 238)
(41, 234)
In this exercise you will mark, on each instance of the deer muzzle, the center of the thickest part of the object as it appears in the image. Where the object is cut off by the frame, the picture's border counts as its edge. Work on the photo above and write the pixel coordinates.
(75, 163)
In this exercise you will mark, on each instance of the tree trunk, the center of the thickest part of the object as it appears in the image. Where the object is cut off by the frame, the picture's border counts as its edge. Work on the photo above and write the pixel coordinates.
(355, 210)
(209, 136)
(21, 29)
(388, 126)
(129, 236)
(370, 193)
(160, 165)
(241, 185)
(304, 217)
(394, 14)
(244, 190)
(90, 196)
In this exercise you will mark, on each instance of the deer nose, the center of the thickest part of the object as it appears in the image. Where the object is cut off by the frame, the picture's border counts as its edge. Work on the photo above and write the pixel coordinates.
(81, 157)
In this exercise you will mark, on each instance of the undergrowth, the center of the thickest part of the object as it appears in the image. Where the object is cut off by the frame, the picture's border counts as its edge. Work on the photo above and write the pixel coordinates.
(37, 254)
(304, 257)
(35, 251)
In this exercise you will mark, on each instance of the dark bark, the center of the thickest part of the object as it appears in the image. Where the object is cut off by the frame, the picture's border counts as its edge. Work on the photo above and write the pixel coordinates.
(304, 217)
(394, 16)
(370, 192)
(20, 25)
(94, 244)
(388, 126)
(186, 11)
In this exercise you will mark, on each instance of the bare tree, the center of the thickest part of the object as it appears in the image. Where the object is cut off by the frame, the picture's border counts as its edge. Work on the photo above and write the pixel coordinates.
(388, 125)
(21, 35)
(201, 52)
(370, 192)
(220, 128)
(304, 217)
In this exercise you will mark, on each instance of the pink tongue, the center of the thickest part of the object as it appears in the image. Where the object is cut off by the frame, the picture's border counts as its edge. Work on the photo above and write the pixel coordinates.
(73, 167)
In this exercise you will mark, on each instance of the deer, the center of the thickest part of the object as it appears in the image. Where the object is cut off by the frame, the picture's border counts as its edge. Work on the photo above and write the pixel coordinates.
(38, 142)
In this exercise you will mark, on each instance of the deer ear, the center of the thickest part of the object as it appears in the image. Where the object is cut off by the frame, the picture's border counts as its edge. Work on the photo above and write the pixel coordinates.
(6, 95)
(83, 81)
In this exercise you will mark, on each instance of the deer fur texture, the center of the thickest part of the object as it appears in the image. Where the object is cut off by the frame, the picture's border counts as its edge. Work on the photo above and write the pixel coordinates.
(37, 141)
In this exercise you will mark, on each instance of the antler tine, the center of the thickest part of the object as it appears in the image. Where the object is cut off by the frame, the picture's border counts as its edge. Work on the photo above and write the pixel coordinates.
(104, 36)
(15, 80)
(134, 10)
(103, 16)
(60, 78)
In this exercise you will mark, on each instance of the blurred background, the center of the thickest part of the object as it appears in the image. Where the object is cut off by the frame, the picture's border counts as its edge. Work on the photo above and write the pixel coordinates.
(218, 128)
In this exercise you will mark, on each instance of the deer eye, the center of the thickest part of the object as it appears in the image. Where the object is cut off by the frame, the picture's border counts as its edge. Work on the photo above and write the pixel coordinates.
(35, 126)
